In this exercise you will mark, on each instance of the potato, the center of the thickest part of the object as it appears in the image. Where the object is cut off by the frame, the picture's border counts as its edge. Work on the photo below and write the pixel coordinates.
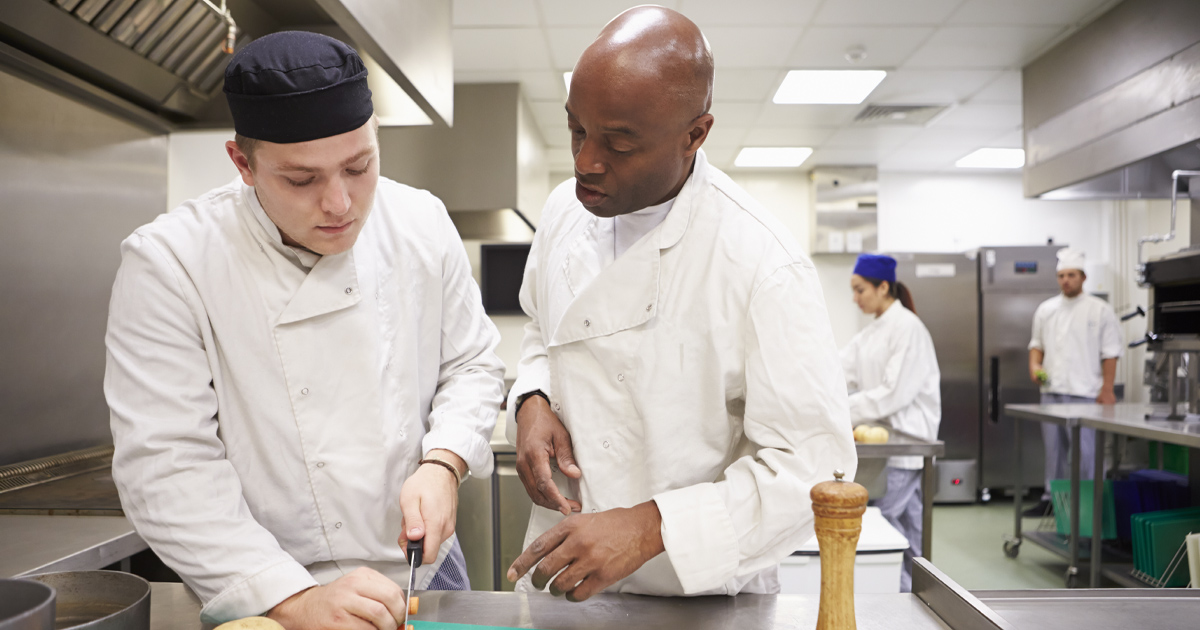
(412, 605)
(251, 623)
(876, 435)
(860, 433)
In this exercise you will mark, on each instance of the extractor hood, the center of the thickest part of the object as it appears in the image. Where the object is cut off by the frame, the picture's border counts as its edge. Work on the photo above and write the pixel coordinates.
(160, 63)
(1114, 109)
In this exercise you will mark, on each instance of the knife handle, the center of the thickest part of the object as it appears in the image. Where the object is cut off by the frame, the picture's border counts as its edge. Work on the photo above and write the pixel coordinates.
(416, 550)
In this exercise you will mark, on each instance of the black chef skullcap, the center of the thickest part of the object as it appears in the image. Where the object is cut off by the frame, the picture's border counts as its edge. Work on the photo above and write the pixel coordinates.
(295, 86)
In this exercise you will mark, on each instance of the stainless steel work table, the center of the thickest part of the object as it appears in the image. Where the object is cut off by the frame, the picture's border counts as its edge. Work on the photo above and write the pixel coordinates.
(936, 603)
(1127, 419)
(32, 544)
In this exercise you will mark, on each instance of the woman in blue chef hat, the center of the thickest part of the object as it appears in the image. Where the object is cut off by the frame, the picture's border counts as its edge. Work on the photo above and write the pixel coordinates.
(892, 374)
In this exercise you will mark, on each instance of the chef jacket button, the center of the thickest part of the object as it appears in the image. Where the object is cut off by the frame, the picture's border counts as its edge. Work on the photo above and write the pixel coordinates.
(337, 525)
(320, 464)
(649, 307)
(587, 322)
(304, 391)
(349, 290)
(606, 444)
(620, 377)
(557, 407)
(594, 510)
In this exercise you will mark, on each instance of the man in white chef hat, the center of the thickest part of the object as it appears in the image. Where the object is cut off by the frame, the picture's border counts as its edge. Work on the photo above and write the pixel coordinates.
(1073, 358)
(300, 371)
(679, 369)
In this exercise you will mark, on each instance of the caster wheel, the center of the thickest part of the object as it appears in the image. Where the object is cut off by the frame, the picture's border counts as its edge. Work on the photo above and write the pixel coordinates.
(985, 495)
(1012, 548)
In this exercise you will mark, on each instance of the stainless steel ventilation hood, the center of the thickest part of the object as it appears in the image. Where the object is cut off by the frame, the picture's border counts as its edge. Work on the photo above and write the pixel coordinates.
(1114, 109)
(160, 63)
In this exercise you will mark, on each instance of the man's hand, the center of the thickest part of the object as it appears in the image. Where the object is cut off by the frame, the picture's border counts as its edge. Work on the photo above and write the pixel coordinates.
(592, 550)
(541, 438)
(361, 600)
(1106, 397)
(429, 502)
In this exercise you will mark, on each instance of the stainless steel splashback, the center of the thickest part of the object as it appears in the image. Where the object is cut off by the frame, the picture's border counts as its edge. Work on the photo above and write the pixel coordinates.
(73, 183)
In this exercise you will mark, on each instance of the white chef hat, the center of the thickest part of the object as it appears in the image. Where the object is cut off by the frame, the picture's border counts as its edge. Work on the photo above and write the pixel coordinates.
(1070, 258)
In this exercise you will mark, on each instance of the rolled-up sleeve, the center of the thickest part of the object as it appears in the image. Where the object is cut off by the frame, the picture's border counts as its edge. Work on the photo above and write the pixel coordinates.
(1039, 321)
(176, 487)
(471, 376)
(1112, 344)
(718, 534)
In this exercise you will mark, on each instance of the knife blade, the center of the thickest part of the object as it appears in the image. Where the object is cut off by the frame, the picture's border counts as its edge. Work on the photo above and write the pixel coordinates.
(416, 549)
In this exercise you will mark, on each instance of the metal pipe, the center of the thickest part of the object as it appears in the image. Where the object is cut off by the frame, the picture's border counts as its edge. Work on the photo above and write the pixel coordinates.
(1141, 267)
(232, 31)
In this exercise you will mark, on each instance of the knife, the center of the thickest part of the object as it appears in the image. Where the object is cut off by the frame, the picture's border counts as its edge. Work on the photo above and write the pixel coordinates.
(416, 549)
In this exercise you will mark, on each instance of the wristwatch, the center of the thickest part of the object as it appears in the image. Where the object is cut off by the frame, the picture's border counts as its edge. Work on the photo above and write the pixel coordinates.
(526, 396)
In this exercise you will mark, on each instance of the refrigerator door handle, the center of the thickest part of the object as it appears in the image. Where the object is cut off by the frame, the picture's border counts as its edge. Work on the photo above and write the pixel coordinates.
(994, 391)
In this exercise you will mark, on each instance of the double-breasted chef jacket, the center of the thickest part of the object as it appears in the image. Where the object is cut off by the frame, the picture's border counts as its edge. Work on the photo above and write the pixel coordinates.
(699, 370)
(265, 415)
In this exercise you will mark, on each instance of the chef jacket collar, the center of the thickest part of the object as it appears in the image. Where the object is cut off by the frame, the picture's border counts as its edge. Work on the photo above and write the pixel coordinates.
(297, 255)
(677, 220)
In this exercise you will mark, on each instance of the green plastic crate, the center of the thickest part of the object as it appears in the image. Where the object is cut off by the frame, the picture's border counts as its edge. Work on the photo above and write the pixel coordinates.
(1060, 492)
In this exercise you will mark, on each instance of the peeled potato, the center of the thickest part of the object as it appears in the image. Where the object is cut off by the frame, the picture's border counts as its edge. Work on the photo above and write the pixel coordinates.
(877, 435)
(251, 623)
(860, 433)
(412, 605)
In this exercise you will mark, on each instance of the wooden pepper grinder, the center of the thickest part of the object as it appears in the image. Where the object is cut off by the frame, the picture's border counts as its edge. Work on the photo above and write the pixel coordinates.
(838, 507)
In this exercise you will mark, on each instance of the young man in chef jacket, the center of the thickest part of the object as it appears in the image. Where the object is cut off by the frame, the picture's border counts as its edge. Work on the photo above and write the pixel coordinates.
(1073, 357)
(300, 371)
(679, 388)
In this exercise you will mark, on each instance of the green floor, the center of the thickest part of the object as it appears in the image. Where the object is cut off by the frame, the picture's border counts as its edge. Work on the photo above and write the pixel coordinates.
(968, 546)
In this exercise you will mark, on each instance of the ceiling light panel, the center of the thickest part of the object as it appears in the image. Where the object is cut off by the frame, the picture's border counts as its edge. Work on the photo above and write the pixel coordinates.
(827, 87)
(772, 157)
(993, 158)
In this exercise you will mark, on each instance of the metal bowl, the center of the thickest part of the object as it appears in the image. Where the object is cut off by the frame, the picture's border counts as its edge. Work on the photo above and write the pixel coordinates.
(99, 600)
(26, 605)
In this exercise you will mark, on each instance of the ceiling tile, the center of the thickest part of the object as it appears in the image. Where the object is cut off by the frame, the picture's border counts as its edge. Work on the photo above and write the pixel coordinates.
(721, 157)
(806, 115)
(735, 114)
(1014, 139)
(1025, 12)
(886, 47)
(880, 139)
(951, 139)
(919, 160)
(841, 157)
(751, 46)
(914, 87)
(746, 84)
(982, 116)
(1006, 88)
(595, 13)
(982, 46)
(500, 49)
(552, 120)
(762, 136)
(566, 44)
(726, 136)
(495, 13)
(860, 12)
(543, 85)
(748, 12)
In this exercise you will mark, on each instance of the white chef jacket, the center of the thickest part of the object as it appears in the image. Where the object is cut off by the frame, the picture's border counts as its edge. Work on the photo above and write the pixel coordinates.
(697, 370)
(892, 372)
(265, 416)
(1076, 334)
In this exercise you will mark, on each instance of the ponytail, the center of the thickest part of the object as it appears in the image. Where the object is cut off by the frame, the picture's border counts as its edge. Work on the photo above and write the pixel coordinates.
(897, 290)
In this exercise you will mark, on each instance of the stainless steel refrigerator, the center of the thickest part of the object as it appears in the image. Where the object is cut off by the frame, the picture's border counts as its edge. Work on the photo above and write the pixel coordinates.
(978, 307)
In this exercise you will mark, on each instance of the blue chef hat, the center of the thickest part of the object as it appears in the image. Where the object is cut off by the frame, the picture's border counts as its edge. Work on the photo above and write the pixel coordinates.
(295, 86)
(876, 266)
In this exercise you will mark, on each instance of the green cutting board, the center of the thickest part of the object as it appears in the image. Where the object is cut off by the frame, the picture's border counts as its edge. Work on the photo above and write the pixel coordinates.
(441, 625)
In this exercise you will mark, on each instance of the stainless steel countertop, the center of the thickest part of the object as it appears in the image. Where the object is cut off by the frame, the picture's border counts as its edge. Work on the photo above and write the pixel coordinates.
(1121, 418)
(1096, 609)
(173, 607)
(40, 544)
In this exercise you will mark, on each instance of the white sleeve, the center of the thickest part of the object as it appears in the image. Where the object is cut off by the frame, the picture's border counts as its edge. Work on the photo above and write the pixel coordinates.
(176, 487)
(796, 420)
(533, 371)
(903, 376)
(849, 358)
(471, 376)
(1112, 345)
(1039, 319)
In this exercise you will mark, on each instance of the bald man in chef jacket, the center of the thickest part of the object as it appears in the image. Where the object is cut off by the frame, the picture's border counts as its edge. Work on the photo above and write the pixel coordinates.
(1073, 358)
(679, 391)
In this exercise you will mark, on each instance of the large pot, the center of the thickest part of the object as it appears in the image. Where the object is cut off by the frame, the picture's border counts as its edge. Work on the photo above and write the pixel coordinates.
(99, 600)
(26, 605)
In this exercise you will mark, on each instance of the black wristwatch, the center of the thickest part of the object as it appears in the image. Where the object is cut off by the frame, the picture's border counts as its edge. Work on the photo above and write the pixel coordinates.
(526, 396)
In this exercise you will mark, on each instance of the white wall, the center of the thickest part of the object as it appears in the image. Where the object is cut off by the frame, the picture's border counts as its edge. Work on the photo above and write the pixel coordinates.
(197, 163)
(923, 212)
